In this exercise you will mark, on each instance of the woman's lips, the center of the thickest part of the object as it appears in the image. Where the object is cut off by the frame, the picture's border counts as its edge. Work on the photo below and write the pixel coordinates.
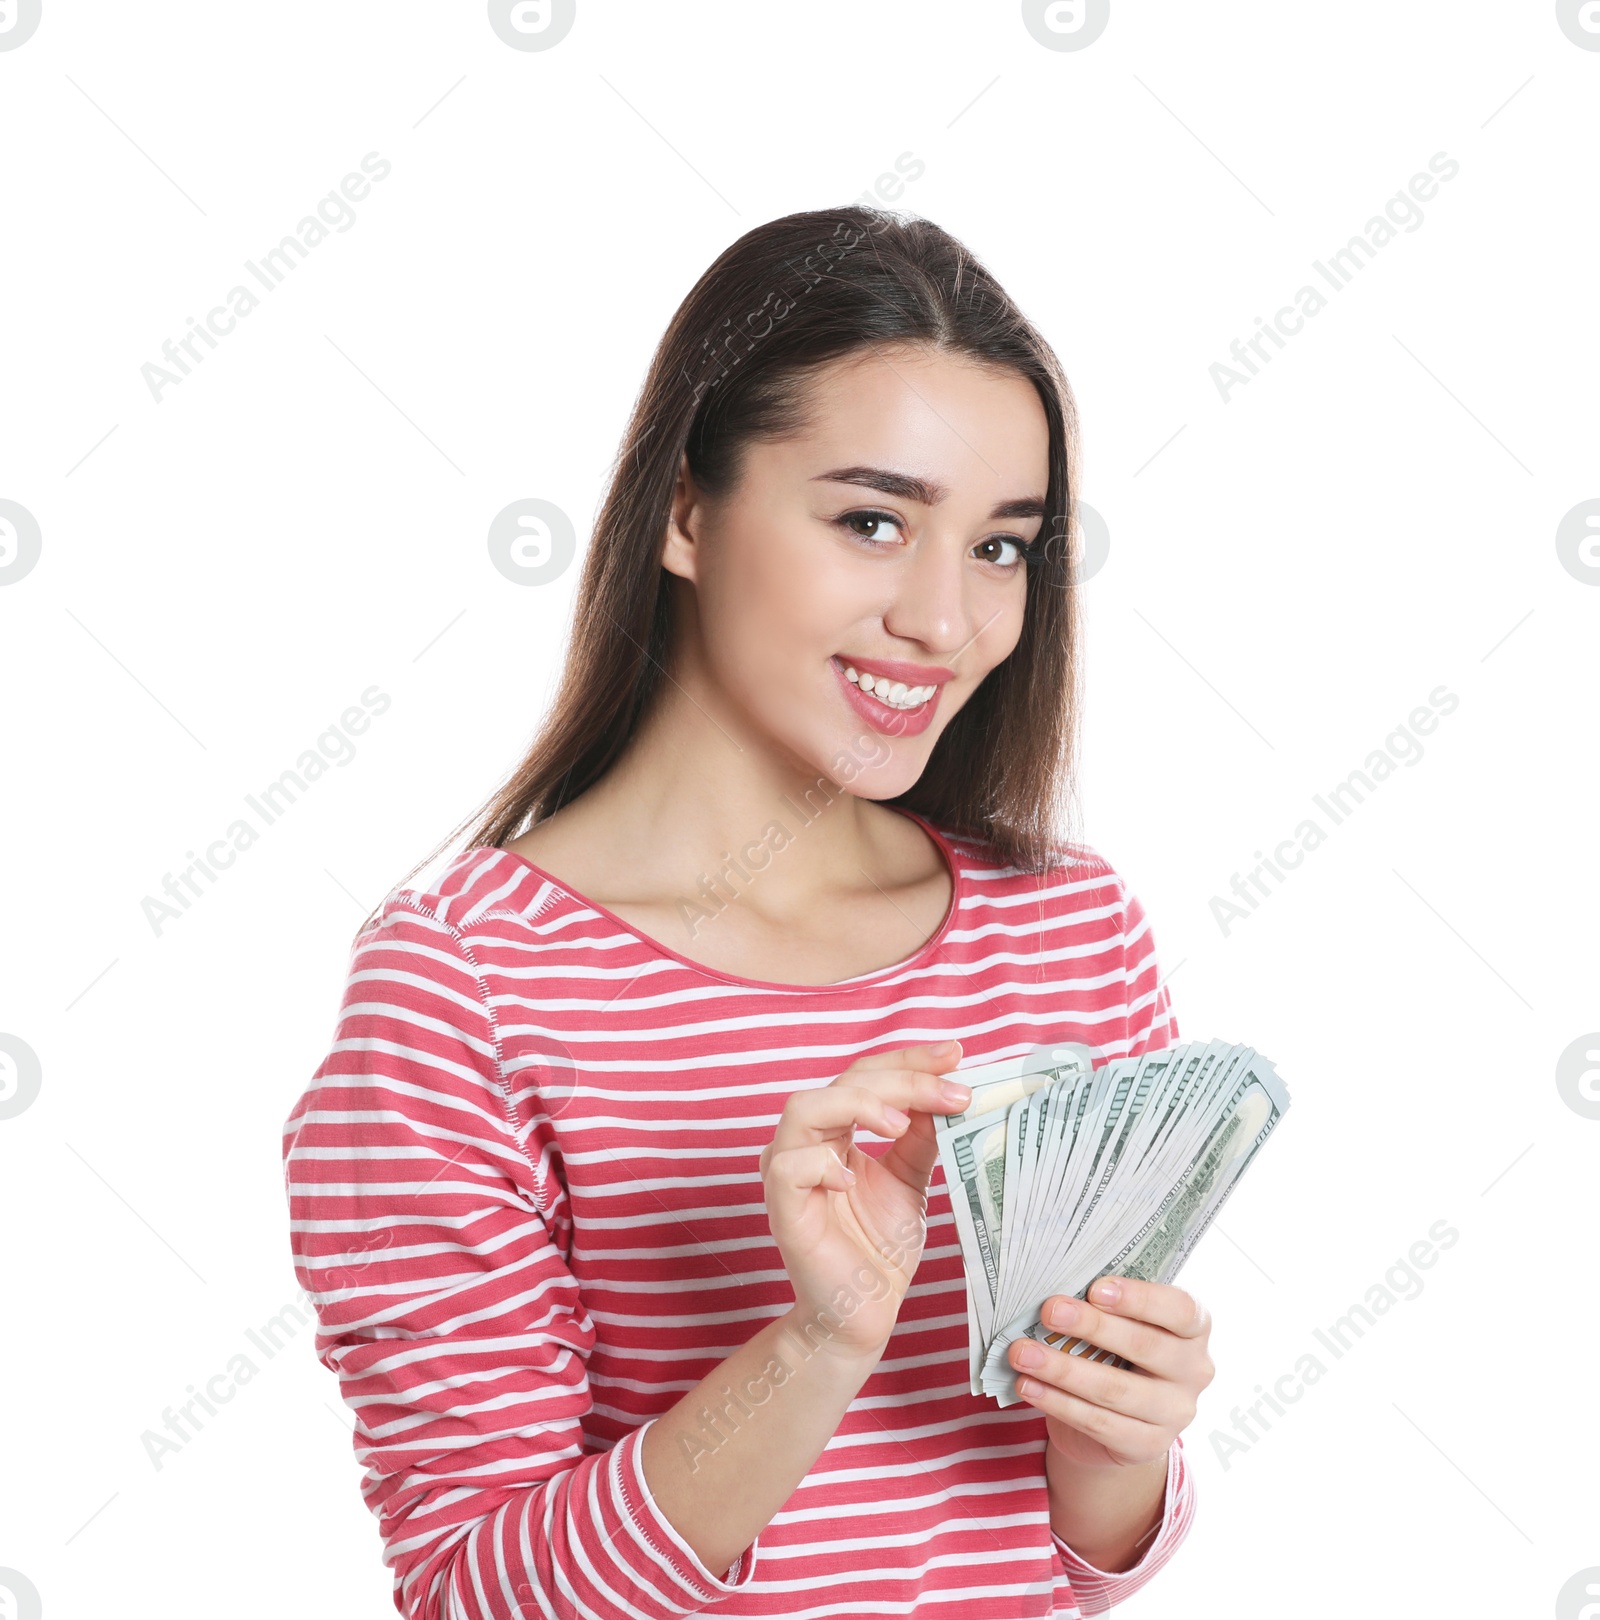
(888, 721)
(897, 669)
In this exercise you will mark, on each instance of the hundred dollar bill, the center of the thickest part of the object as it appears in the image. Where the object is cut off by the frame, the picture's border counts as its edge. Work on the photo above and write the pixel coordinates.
(997, 1085)
(1178, 1215)
(1062, 1170)
(975, 1170)
(973, 1154)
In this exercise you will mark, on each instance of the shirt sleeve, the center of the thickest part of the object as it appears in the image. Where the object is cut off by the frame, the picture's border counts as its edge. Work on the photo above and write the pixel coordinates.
(428, 1241)
(1096, 1590)
(1152, 1024)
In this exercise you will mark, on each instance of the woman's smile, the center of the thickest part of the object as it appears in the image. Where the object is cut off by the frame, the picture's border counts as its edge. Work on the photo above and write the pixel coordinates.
(895, 698)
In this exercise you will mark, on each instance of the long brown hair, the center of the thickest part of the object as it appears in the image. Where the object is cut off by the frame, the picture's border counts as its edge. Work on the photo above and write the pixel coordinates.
(788, 296)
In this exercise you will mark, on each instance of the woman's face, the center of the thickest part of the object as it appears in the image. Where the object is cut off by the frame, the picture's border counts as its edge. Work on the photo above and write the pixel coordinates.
(887, 540)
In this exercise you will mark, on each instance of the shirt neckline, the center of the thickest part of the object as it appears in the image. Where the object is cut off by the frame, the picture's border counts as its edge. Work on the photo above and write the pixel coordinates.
(926, 949)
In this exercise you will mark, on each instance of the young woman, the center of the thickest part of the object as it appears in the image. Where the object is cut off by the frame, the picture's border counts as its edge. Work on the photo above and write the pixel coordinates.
(632, 1320)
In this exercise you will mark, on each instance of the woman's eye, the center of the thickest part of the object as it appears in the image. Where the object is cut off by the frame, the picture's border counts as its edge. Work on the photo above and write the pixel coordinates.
(871, 519)
(1018, 549)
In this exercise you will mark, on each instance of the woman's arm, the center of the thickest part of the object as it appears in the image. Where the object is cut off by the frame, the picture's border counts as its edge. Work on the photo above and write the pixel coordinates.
(435, 1255)
(734, 1449)
(1108, 1516)
(1115, 1526)
(850, 1228)
(433, 1244)
(1120, 1501)
(1100, 1579)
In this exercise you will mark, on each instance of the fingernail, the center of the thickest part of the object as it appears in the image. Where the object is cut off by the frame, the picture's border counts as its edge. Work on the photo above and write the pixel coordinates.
(953, 1092)
(1030, 1355)
(849, 1174)
(947, 1046)
(1106, 1292)
(1062, 1314)
(895, 1117)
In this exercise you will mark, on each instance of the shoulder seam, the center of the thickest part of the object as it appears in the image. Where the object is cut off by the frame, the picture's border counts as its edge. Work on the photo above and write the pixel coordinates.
(404, 898)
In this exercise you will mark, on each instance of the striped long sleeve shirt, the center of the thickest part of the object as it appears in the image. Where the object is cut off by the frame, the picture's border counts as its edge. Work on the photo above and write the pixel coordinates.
(526, 1206)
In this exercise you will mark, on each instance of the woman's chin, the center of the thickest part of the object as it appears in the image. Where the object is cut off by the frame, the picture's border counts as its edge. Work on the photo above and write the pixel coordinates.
(860, 760)
(881, 781)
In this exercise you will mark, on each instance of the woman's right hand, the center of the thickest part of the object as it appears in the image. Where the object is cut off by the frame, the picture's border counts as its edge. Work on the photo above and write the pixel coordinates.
(852, 1246)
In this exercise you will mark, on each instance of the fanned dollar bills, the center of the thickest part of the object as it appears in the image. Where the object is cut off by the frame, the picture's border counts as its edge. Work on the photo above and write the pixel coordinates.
(1061, 1172)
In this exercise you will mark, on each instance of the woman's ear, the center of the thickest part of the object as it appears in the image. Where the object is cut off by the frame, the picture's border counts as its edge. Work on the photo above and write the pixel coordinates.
(680, 551)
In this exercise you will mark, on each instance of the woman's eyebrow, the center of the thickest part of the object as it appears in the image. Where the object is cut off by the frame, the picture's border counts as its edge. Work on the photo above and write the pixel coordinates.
(922, 490)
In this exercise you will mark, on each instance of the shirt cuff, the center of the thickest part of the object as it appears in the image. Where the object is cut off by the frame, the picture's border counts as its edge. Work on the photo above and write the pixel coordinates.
(691, 1585)
(1097, 1589)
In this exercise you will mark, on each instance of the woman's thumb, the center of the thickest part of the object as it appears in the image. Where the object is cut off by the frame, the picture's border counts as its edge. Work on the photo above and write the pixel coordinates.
(912, 1155)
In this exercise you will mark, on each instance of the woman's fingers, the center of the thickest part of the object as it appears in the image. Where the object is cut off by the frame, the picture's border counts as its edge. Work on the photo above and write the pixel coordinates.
(881, 1103)
(792, 1175)
(937, 1055)
(1133, 1395)
(1127, 1438)
(912, 1156)
(1154, 1349)
(888, 1093)
(1162, 1330)
(1174, 1309)
(831, 1112)
(938, 1058)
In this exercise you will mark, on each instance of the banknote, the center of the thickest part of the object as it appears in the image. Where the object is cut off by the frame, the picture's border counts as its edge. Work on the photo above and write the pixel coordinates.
(1063, 1169)
(994, 1087)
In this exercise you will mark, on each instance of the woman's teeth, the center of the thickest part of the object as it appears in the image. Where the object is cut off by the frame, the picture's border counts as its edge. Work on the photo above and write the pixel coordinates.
(896, 694)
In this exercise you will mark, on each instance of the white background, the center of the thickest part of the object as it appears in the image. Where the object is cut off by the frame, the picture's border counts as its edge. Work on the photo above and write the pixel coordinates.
(1291, 573)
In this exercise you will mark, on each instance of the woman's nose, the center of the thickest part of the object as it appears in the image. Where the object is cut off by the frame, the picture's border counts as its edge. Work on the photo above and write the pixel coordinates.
(930, 604)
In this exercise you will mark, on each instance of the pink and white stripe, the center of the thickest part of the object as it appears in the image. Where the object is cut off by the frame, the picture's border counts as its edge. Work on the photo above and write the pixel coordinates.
(525, 1200)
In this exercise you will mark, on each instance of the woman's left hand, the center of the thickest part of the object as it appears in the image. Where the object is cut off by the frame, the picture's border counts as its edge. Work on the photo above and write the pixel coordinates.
(1099, 1416)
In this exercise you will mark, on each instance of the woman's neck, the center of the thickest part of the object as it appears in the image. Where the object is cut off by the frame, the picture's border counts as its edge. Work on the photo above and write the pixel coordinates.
(708, 847)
